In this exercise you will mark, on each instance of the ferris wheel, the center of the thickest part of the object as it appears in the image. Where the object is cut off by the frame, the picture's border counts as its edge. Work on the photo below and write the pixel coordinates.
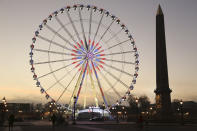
(84, 52)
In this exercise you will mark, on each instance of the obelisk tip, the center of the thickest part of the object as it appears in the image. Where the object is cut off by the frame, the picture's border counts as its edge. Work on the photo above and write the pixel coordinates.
(159, 10)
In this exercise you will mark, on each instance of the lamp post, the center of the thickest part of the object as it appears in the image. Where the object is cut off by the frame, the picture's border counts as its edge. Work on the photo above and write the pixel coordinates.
(50, 108)
(103, 110)
(92, 111)
(150, 114)
(137, 109)
(74, 122)
(113, 111)
(123, 113)
(4, 109)
(181, 107)
(117, 119)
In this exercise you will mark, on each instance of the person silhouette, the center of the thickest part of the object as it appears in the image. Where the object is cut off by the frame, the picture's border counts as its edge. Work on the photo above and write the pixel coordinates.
(53, 119)
(140, 122)
(11, 122)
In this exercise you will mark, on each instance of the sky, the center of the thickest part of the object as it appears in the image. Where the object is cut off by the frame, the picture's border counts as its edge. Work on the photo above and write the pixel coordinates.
(19, 20)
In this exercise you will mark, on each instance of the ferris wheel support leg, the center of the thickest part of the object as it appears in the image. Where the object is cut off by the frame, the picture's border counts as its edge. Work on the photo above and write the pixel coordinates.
(76, 86)
(93, 87)
(84, 72)
(99, 84)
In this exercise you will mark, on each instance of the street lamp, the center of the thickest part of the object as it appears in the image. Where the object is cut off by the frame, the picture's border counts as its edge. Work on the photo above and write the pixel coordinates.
(181, 102)
(74, 122)
(113, 111)
(151, 111)
(4, 104)
(136, 100)
(181, 107)
(4, 109)
(3, 99)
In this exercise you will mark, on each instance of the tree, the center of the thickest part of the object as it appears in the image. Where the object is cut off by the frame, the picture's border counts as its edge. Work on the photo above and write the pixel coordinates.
(144, 103)
(176, 105)
(132, 104)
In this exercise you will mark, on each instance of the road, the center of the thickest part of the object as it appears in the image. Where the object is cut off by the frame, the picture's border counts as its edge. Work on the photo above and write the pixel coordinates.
(97, 126)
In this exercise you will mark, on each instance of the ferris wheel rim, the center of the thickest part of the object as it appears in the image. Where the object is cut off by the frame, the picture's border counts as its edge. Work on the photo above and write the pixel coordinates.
(92, 8)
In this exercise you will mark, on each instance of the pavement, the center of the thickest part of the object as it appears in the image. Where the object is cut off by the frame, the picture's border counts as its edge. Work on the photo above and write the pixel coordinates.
(98, 126)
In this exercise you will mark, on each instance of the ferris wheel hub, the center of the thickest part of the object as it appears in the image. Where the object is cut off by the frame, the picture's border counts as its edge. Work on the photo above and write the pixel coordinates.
(89, 55)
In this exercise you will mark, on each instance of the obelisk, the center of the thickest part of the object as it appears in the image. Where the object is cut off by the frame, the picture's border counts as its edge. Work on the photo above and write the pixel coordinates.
(163, 99)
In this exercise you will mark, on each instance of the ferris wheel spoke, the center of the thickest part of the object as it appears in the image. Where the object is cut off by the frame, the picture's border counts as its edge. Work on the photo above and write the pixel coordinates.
(59, 35)
(117, 53)
(73, 25)
(55, 70)
(118, 70)
(125, 62)
(113, 36)
(104, 34)
(65, 29)
(45, 62)
(59, 80)
(117, 44)
(53, 52)
(116, 78)
(66, 87)
(109, 83)
(98, 27)
(53, 42)
(99, 84)
(90, 26)
(82, 27)
(106, 30)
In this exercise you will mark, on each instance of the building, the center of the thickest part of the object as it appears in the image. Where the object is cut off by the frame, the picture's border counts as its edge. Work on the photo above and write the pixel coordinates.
(189, 109)
(19, 107)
